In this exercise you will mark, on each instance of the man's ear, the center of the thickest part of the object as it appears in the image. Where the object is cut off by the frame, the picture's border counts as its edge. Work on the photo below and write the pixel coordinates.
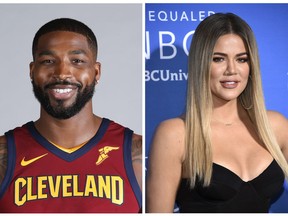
(31, 67)
(97, 67)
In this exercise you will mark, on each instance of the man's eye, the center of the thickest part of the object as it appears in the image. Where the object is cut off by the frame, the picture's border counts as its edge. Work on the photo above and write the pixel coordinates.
(47, 61)
(77, 61)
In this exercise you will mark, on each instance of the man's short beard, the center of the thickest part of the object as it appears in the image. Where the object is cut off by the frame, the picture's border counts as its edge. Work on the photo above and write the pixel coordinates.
(59, 111)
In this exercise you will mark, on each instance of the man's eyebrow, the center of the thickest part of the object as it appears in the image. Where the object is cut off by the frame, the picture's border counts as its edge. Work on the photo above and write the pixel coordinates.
(45, 52)
(78, 51)
(52, 53)
(224, 54)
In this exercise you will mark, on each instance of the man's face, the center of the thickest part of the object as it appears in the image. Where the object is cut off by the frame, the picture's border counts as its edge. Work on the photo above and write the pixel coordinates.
(64, 73)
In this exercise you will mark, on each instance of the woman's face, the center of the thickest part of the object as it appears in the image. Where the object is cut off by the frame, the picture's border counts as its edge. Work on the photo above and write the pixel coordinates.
(229, 68)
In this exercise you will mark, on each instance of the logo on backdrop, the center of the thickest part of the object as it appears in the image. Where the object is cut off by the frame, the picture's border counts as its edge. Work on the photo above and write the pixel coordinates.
(166, 49)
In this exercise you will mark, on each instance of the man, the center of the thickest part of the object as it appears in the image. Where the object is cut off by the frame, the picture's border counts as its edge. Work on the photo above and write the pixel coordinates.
(69, 160)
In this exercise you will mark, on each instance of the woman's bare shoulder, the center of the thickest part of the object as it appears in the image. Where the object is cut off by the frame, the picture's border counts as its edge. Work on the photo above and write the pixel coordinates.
(170, 135)
(277, 119)
(279, 125)
(174, 126)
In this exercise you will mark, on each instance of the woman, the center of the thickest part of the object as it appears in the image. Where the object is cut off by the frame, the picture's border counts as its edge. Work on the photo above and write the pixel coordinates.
(227, 153)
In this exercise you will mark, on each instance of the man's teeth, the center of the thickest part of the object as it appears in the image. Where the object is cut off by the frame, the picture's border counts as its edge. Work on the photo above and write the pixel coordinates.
(62, 91)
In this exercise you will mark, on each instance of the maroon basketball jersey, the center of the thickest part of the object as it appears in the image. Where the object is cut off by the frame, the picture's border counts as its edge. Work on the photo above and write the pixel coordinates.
(98, 177)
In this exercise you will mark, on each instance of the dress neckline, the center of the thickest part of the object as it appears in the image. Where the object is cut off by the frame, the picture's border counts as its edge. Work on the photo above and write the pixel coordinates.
(249, 181)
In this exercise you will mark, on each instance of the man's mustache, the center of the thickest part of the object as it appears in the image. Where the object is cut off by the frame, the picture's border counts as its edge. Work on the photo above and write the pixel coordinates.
(62, 82)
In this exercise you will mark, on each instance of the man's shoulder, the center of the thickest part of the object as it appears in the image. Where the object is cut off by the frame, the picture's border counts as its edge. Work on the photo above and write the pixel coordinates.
(136, 141)
(136, 145)
(137, 137)
(2, 140)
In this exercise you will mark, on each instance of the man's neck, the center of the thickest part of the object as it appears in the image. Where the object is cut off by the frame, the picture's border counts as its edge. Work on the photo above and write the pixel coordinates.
(71, 132)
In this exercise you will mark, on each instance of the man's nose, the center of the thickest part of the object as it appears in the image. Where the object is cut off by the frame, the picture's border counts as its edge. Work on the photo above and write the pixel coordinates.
(62, 71)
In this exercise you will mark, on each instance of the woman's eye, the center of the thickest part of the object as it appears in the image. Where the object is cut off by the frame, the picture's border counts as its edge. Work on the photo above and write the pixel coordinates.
(218, 59)
(243, 60)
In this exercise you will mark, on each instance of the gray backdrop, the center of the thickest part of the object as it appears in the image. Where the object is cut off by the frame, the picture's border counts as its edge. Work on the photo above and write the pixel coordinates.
(118, 28)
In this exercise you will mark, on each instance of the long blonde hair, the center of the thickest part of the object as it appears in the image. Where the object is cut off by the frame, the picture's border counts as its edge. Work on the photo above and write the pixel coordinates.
(198, 158)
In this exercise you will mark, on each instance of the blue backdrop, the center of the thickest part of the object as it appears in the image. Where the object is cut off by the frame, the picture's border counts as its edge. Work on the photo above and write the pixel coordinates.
(169, 30)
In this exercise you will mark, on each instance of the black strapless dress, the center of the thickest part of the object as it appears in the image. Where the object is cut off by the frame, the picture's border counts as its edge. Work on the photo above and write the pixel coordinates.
(229, 193)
